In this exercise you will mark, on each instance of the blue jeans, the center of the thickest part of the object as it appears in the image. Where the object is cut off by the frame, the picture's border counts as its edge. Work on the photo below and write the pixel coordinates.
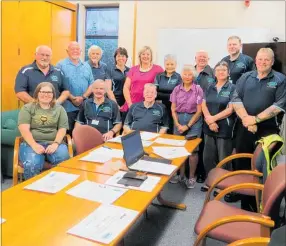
(33, 163)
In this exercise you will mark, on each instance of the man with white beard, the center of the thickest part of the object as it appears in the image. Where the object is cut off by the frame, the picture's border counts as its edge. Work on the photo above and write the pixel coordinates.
(39, 71)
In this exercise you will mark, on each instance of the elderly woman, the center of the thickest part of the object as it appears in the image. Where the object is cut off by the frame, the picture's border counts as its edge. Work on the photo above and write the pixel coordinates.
(43, 125)
(166, 82)
(186, 109)
(98, 68)
(138, 76)
(116, 76)
(219, 119)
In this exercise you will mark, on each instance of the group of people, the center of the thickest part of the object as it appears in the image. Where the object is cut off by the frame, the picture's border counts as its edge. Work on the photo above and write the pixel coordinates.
(234, 104)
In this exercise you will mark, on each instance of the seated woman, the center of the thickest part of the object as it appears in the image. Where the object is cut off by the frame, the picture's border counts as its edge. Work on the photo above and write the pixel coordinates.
(166, 82)
(43, 125)
(186, 109)
(219, 119)
(148, 115)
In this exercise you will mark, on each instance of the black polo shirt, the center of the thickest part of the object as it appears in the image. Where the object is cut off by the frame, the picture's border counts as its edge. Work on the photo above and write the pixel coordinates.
(165, 85)
(257, 95)
(147, 119)
(117, 78)
(30, 76)
(241, 65)
(205, 78)
(98, 72)
(102, 117)
(217, 102)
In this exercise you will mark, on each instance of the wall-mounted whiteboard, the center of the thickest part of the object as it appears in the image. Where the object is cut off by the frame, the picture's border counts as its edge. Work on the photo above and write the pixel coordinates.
(184, 43)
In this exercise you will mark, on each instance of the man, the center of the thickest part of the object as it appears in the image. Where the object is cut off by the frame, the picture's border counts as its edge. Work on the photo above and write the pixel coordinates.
(148, 115)
(39, 71)
(78, 77)
(259, 97)
(238, 63)
(205, 73)
(98, 68)
(100, 112)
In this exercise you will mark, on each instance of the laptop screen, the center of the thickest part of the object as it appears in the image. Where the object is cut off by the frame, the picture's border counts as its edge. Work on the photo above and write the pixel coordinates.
(132, 147)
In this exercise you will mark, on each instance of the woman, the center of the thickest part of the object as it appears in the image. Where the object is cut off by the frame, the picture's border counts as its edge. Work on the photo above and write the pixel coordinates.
(43, 125)
(137, 77)
(186, 110)
(219, 119)
(166, 82)
(116, 76)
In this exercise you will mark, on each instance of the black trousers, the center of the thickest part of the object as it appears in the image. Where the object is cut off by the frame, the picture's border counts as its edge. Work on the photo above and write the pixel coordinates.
(200, 171)
(72, 117)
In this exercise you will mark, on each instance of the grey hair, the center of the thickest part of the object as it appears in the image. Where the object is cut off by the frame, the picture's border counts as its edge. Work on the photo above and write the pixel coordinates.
(150, 85)
(43, 46)
(190, 68)
(266, 50)
(170, 57)
(98, 81)
(94, 47)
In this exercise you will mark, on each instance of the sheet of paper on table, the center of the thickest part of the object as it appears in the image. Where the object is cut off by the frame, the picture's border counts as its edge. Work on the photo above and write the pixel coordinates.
(148, 135)
(148, 185)
(104, 224)
(117, 139)
(2, 220)
(96, 192)
(103, 154)
(153, 167)
(95, 157)
(168, 141)
(52, 182)
(171, 152)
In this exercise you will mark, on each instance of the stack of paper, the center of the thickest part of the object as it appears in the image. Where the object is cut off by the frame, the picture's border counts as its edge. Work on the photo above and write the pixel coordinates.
(2, 220)
(96, 192)
(103, 154)
(148, 135)
(170, 152)
(104, 224)
(52, 182)
(168, 141)
(148, 185)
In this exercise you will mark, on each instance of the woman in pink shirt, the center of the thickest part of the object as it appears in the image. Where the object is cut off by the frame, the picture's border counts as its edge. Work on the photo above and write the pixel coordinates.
(186, 110)
(138, 76)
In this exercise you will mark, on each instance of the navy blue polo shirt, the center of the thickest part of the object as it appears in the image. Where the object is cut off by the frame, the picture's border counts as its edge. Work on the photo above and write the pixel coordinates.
(30, 76)
(165, 85)
(147, 119)
(217, 102)
(117, 78)
(98, 72)
(241, 65)
(205, 78)
(259, 94)
(102, 117)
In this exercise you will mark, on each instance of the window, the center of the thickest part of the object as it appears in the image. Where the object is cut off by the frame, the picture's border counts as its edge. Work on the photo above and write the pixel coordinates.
(102, 30)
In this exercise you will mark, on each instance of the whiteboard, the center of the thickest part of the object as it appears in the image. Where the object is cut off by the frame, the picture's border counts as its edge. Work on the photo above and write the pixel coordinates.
(184, 43)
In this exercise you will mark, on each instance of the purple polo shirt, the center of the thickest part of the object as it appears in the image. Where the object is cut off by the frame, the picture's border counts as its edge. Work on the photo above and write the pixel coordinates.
(187, 101)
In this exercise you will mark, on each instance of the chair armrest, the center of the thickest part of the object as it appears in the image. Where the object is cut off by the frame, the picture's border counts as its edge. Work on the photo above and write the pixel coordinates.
(251, 241)
(235, 218)
(18, 141)
(69, 143)
(233, 157)
(217, 181)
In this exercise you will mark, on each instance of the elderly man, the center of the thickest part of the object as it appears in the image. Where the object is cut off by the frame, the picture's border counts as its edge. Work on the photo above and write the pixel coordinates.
(78, 77)
(148, 115)
(100, 112)
(205, 73)
(39, 71)
(259, 97)
(98, 68)
(238, 63)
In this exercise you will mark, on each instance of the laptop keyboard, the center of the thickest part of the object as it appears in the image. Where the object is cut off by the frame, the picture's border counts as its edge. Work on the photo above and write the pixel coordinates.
(153, 159)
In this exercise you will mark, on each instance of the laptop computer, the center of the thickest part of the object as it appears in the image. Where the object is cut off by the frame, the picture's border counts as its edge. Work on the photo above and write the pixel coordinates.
(137, 160)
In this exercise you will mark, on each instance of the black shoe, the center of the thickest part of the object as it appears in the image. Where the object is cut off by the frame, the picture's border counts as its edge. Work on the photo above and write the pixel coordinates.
(204, 188)
(232, 197)
(215, 193)
(200, 179)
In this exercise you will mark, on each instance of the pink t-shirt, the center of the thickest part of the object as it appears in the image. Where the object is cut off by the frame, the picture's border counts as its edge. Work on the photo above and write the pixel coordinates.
(138, 80)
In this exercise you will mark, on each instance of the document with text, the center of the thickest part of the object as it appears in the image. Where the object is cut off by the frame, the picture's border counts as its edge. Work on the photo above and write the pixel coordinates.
(148, 135)
(171, 152)
(103, 154)
(169, 141)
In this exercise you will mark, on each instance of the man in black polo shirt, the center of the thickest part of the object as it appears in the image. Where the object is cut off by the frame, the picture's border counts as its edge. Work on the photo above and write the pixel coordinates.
(259, 97)
(238, 63)
(148, 115)
(40, 71)
(100, 112)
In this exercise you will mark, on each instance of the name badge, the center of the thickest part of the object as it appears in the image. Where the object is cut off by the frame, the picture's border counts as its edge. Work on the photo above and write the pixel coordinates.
(95, 122)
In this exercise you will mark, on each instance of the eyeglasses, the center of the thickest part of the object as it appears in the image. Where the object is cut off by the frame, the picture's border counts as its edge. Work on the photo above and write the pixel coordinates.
(46, 92)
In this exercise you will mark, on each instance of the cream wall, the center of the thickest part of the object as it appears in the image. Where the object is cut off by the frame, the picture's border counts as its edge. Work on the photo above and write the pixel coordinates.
(154, 15)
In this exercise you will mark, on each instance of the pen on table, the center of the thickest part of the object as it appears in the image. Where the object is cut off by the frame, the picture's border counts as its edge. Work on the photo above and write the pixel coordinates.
(106, 147)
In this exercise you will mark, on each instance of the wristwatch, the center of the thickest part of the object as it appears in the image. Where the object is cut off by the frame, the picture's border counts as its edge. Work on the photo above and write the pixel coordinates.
(56, 142)
(257, 119)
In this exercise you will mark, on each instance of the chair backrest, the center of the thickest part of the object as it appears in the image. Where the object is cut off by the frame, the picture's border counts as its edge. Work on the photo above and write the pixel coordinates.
(274, 191)
(85, 138)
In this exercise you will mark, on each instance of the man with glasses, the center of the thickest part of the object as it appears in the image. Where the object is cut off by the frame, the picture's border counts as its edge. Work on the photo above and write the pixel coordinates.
(39, 71)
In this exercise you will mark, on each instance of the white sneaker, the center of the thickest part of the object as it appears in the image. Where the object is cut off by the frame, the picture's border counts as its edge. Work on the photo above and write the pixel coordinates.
(176, 179)
(190, 183)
